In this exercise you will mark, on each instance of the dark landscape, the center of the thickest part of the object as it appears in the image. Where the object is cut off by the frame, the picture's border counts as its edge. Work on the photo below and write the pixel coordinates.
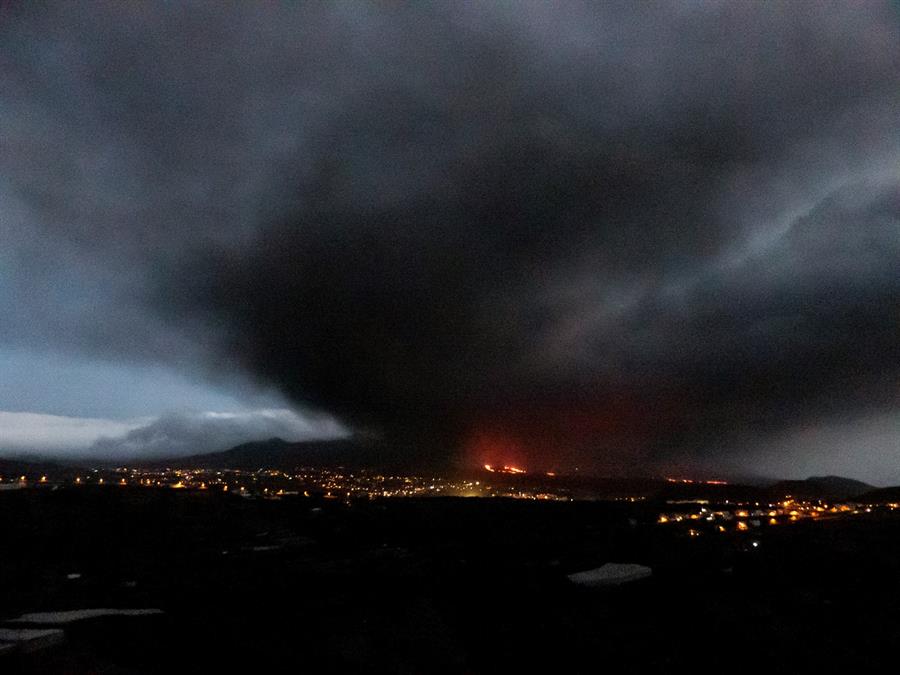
(449, 584)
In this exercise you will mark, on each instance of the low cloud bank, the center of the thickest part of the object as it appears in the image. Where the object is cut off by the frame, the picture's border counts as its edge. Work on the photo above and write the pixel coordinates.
(169, 435)
(27, 433)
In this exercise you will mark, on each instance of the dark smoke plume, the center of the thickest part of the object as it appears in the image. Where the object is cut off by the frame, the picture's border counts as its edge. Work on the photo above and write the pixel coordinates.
(609, 235)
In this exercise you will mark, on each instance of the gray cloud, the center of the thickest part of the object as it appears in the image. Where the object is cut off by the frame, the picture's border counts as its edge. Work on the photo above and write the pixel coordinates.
(865, 447)
(33, 433)
(181, 434)
(169, 435)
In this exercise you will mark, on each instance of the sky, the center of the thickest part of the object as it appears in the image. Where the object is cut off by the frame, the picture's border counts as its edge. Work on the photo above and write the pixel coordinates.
(624, 237)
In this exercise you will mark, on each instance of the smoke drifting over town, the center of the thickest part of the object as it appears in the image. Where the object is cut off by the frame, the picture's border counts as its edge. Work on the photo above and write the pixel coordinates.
(616, 235)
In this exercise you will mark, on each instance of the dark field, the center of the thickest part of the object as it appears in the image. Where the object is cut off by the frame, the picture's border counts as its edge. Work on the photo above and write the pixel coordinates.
(437, 586)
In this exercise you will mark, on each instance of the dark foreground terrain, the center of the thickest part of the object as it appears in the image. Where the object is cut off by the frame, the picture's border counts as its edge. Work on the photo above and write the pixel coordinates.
(437, 586)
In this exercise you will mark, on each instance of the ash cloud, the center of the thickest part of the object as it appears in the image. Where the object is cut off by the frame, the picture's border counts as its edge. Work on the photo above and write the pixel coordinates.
(616, 235)
(174, 434)
(182, 434)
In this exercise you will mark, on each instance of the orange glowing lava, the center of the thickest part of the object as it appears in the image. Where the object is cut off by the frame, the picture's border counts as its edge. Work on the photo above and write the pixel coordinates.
(701, 482)
(503, 469)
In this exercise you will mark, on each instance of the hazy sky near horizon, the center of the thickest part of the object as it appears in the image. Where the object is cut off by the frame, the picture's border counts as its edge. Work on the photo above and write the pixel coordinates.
(620, 236)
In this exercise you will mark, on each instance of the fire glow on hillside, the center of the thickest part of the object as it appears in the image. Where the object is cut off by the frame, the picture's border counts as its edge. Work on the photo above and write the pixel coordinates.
(503, 469)
(701, 482)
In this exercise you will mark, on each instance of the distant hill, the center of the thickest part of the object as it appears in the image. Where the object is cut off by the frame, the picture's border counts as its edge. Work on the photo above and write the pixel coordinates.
(881, 495)
(718, 493)
(14, 466)
(276, 453)
(820, 487)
